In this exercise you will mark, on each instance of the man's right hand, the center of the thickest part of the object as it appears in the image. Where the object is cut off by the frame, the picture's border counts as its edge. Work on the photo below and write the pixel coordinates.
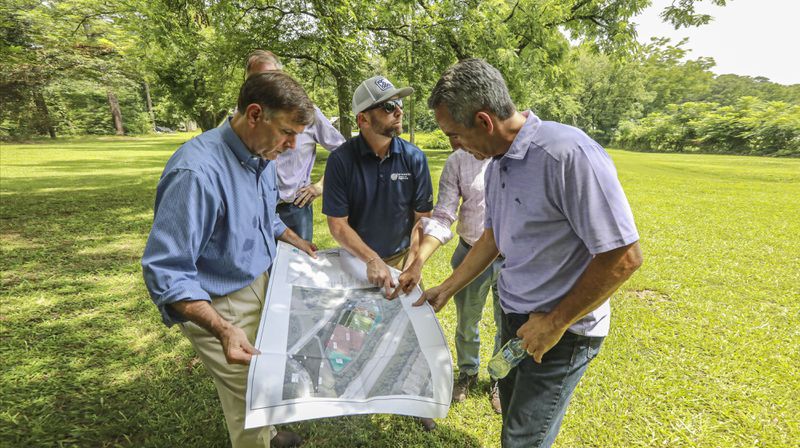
(436, 296)
(236, 346)
(378, 274)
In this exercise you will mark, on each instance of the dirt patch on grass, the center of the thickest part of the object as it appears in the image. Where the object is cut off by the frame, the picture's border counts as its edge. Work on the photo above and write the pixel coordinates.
(651, 296)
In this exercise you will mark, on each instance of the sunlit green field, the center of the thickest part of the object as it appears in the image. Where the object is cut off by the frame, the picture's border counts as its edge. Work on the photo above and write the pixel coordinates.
(703, 349)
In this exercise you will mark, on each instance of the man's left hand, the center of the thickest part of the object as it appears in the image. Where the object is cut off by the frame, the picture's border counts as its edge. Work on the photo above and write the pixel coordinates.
(307, 247)
(539, 334)
(307, 194)
(438, 296)
(407, 281)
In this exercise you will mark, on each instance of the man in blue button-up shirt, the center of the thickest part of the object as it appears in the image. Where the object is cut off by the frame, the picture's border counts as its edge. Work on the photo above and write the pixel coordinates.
(213, 237)
(557, 213)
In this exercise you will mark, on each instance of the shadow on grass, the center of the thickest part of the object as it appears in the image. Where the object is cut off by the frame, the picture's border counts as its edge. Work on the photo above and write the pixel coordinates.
(86, 360)
(60, 168)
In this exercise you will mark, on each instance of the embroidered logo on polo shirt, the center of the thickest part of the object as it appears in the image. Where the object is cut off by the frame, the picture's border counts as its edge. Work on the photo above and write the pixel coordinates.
(401, 176)
(383, 84)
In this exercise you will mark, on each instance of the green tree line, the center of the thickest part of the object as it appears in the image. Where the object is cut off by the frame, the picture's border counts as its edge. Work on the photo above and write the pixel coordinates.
(73, 67)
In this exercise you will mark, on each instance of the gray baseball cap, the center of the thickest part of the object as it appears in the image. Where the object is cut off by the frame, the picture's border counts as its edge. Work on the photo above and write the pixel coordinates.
(374, 91)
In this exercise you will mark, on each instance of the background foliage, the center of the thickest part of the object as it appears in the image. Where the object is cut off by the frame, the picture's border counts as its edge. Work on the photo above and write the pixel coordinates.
(72, 67)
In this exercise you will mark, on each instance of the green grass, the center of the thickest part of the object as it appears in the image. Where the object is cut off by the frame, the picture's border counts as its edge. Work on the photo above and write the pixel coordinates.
(703, 349)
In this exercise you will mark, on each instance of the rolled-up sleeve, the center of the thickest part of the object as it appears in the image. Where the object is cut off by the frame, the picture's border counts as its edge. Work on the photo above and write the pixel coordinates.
(185, 213)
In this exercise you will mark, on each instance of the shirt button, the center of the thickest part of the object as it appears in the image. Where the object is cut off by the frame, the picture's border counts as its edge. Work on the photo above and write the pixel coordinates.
(503, 185)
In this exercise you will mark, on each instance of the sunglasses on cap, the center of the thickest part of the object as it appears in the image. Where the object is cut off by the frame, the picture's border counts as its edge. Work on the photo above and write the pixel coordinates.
(387, 106)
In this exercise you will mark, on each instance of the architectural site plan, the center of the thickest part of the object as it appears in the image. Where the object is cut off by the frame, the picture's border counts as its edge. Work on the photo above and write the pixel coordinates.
(331, 344)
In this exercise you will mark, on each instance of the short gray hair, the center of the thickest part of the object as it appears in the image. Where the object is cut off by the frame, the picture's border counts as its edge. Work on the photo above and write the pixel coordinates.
(470, 86)
(262, 57)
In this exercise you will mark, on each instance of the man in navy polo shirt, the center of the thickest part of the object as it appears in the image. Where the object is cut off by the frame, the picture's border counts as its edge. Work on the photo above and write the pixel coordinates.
(377, 186)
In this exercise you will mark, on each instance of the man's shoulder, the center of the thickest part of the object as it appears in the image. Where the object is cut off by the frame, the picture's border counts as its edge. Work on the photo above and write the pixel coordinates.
(460, 157)
(562, 141)
(347, 150)
(409, 149)
(199, 154)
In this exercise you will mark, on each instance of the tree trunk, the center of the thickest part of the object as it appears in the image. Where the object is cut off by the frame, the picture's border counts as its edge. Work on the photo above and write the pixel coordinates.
(209, 120)
(412, 99)
(116, 113)
(344, 99)
(149, 103)
(44, 113)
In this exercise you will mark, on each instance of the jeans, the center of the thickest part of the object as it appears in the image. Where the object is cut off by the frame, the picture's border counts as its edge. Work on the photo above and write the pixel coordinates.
(534, 396)
(469, 308)
(299, 219)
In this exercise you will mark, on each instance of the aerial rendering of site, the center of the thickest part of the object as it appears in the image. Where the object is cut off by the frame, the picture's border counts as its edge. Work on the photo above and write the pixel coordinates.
(351, 344)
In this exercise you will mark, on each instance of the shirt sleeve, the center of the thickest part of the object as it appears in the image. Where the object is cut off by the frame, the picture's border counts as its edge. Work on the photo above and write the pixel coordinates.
(423, 196)
(593, 201)
(487, 178)
(334, 193)
(185, 213)
(278, 227)
(446, 209)
(324, 132)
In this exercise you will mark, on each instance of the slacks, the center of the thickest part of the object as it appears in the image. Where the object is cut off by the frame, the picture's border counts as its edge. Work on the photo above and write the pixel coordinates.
(243, 309)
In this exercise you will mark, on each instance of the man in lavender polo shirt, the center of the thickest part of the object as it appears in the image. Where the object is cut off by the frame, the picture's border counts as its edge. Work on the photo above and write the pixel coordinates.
(296, 191)
(557, 213)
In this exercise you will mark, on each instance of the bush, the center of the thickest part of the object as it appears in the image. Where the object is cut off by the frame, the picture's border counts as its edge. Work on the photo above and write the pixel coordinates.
(750, 126)
(432, 140)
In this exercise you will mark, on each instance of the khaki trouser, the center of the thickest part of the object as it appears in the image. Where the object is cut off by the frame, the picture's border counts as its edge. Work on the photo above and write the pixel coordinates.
(397, 260)
(243, 309)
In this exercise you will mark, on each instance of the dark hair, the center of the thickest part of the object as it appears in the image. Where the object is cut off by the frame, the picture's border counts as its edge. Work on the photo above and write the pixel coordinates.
(262, 57)
(470, 86)
(276, 91)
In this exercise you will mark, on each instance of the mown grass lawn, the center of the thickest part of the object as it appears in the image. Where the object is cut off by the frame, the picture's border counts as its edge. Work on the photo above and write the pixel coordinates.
(703, 349)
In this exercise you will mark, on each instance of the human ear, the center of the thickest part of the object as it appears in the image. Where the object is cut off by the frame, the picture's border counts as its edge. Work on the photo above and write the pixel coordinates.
(253, 113)
(483, 120)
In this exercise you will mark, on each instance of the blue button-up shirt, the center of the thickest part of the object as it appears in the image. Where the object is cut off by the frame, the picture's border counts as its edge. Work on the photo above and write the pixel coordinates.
(553, 201)
(214, 225)
(378, 197)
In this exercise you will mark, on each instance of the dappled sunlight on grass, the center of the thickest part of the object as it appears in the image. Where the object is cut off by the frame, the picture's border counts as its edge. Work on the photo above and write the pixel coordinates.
(701, 352)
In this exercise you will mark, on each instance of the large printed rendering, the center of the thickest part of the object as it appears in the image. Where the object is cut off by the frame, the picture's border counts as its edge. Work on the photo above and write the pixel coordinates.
(331, 344)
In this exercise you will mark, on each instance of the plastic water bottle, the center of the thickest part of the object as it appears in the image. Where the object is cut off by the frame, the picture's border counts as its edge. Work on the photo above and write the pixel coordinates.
(507, 358)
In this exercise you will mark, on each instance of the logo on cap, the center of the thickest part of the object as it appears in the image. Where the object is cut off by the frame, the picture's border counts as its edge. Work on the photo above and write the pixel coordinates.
(383, 84)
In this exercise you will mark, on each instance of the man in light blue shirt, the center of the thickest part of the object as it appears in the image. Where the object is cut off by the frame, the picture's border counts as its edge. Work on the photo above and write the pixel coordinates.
(212, 243)
(557, 213)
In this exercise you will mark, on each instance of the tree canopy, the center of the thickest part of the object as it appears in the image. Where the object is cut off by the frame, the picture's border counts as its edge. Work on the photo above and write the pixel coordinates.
(81, 66)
